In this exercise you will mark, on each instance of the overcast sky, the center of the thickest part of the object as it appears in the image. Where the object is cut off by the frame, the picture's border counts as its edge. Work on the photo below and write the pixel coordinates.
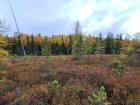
(58, 16)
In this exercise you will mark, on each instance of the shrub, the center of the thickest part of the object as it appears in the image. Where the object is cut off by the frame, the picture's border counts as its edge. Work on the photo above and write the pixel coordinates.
(2, 80)
(7, 85)
(131, 61)
(96, 79)
(7, 94)
(115, 62)
(73, 93)
(7, 98)
(20, 100)
(54, 85)
(117, 67)
(39, 95)
(122, 91)
(3, 63)
(98, 98)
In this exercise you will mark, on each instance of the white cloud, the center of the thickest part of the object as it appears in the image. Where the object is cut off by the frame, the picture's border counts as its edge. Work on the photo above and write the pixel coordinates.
(133, 24)
(95, 15)
(117, 11)
(78, 10)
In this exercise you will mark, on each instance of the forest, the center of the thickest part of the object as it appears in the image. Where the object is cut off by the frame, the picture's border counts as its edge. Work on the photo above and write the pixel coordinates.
(39, 45)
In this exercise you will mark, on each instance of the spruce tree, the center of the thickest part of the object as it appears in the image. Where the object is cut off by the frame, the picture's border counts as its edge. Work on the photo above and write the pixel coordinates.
(19, 50)
(99, 44)
(118, 45)
(33, 46)
(77, 48)
(109, 46)
(28, 46)
(77, 45)
(62, 47)
(69, 46)
(46, 47)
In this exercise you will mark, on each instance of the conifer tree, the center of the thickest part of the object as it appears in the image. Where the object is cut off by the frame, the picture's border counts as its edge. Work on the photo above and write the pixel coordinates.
(13, 45)
(33, 46)
(118, 44)
(136, 42)
(87, 48)
(19, 50)
(62, 47)
(77, 45)
(99, 44)
(28, 45)
(109, 46)
(69, 46)
(46, 47)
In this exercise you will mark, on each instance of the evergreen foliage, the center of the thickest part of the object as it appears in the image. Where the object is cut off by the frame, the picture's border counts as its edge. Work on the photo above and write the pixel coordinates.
(46, 48)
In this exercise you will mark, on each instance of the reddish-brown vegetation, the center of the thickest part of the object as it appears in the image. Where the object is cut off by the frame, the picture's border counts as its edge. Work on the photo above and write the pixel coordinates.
(23, 81)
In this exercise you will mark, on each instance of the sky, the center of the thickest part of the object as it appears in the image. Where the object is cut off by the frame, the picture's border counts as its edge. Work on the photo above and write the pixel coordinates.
(59, 16)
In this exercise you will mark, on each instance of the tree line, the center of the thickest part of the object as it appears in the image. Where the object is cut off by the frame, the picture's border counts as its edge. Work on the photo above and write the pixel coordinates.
(75, 44)
(66, 44)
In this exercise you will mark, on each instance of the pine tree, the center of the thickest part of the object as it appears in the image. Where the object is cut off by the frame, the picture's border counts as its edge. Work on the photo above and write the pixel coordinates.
(99, 44)
(62, 47)
(69, 46)
(14, 45)
(46, 48)
(19, 50)
(33, 46)
(77, 48)
(28, 46)
(77, 45)
(118, 44)
(109, 46)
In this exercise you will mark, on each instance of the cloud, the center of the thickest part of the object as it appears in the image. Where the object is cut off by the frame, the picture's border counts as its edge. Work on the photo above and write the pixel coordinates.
(106, 16)
(133, 24)
(49, 17)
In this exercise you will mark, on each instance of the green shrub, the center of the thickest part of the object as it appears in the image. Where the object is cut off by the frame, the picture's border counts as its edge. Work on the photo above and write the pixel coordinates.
(131, 61)
(54, 85)
(115, 62)
(2, 80)
(117, 67)
(98, 98)
(54, 89)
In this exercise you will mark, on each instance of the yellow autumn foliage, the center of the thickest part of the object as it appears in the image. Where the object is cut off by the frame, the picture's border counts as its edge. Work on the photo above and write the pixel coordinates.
(3, 53)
